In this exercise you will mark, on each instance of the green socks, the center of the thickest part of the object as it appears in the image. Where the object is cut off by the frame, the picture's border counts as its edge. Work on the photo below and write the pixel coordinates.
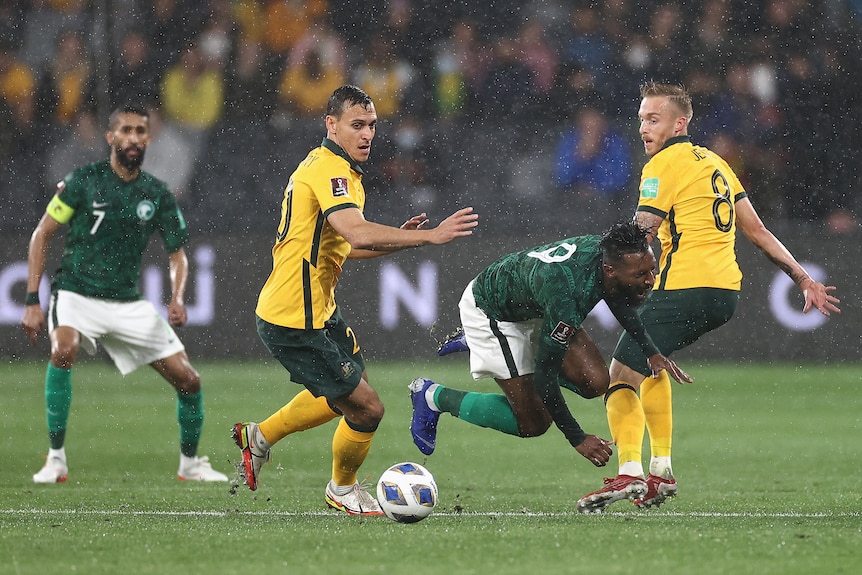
(58, 399)
(491, 410)
(190, 415)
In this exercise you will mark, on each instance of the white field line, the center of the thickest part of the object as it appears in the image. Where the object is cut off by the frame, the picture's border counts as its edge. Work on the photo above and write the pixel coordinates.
(205, 513)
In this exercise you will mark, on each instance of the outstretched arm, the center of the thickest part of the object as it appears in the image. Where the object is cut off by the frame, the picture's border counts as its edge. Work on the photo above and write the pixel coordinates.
(364, 235)
(816, 294)
(415, 223)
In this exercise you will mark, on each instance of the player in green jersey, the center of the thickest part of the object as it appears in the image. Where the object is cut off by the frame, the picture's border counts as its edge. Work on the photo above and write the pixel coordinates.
(522, 319)
(111, 209)
(691, 200)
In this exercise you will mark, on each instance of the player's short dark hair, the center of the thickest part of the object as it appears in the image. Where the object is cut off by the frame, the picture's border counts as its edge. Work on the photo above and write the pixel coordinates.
(623, 238)
(128, 108)
(346, 97)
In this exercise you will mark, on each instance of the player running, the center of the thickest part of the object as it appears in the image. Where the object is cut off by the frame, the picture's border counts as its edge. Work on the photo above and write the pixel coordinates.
(693, 202)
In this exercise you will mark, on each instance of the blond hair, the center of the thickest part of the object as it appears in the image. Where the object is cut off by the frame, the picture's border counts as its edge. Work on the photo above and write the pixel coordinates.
(676, 94)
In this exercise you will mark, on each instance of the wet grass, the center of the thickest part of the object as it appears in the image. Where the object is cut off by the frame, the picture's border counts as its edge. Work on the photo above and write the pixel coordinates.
(766, 457)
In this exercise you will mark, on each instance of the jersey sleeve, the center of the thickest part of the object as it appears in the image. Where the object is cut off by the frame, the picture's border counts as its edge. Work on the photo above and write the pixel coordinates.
(332, 186)
(563, 317)
(657, 189)
(172, 224)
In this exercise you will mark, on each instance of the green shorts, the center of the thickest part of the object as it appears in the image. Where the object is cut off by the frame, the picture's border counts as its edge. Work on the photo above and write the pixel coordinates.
(675, 319)
(326, 361)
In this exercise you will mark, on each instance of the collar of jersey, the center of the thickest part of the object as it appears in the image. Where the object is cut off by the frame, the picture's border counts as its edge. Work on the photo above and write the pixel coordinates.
(339, 151)
(675, 140)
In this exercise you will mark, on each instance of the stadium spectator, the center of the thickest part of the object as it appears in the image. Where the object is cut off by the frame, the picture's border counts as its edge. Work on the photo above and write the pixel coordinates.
(297, 316)
(538, 55)
(316, 66)
(593, 166)
(17, 91)
(460, 64)
(83, 142)
(287, 21)
(135, 76)
(585, 42)
(192, 96)
(386, 74)
(66, 87)
(509, 89)
(112, 208)
(169, 157)
(45, 21)
(693, 203)
(171, 26)
(251, 83)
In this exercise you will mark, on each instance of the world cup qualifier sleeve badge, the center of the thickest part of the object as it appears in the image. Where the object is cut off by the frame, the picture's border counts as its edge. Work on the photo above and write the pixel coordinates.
(562, 332)
(339, 187)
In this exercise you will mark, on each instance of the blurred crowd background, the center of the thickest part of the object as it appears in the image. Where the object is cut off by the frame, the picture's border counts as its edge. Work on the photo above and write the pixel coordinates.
(525, 109)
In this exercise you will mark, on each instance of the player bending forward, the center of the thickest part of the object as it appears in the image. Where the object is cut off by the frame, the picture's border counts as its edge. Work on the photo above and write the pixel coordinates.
(522, 321)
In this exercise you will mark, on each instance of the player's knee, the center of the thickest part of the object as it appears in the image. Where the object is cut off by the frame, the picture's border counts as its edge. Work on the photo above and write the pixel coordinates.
(63, 356)
(367, 418)
(189, 382)
(534, 427)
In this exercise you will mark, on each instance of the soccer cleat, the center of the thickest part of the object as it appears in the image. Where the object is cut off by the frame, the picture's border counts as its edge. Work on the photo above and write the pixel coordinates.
(423, 426)
(615, 489)
(198, 469)
(659, 489)
(356, 502)
(253, 457)
(454, 343)
(54, 471)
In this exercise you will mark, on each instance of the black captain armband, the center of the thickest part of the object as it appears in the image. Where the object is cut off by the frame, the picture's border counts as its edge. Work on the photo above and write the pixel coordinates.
(32, 298)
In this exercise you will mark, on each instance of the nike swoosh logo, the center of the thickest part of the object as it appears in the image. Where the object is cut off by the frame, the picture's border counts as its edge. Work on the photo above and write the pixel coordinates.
(100, 204)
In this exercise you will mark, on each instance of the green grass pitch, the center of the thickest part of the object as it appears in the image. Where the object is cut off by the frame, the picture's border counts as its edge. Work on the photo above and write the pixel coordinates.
(766, 457)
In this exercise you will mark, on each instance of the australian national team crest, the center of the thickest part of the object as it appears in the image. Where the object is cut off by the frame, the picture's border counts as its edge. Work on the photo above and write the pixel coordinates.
(562, 332)
(339, 187)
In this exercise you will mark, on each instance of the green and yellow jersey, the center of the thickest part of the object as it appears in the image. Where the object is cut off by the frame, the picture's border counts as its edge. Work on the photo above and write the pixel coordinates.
(308, 253)
(694, 190)
(110, 224)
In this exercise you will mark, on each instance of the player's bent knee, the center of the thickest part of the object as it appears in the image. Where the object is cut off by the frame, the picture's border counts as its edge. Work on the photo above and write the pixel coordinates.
(534, 427)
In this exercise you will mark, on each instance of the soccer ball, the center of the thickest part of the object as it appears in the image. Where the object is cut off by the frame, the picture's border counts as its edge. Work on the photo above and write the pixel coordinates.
(407, 492)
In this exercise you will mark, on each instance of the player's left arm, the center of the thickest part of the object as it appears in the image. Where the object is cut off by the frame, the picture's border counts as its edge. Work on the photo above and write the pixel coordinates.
(415, 223)
(815, 293)
(179, 270)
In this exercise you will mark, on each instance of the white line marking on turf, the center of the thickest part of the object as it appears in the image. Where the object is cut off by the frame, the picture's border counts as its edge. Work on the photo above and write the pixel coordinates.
(205, 513)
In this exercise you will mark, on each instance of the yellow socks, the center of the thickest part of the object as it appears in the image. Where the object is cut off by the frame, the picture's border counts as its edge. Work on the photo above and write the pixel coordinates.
(626, 422)
(656, 397)
(349, 448)
(303, 412)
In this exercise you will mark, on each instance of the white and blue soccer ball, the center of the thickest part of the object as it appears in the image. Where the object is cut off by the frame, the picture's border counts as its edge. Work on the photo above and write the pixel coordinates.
(407, 492)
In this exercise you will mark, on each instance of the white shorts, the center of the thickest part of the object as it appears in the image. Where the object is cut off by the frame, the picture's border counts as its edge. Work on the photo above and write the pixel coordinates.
(505, 351)
(133, 333)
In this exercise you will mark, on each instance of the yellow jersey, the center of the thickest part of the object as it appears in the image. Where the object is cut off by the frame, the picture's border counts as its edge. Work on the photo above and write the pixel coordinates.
(308, 253)
(694, 190)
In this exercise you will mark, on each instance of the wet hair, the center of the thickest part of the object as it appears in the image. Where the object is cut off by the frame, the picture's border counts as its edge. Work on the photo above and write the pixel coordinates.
(676, 93)
(130, 108)
(621, 239)
(346, 97)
